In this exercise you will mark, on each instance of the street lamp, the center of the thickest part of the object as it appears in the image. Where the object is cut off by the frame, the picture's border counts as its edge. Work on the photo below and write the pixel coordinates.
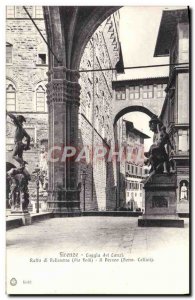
(37, 172)
(83, 179)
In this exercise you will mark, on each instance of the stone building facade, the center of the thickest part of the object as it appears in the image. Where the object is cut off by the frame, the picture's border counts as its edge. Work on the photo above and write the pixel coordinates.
(131, 168)
(26, 80)
(95, 114)
(173, 41)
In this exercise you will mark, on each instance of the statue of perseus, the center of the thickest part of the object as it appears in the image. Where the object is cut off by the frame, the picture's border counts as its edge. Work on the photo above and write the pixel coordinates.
(158, 156)
(20, 134)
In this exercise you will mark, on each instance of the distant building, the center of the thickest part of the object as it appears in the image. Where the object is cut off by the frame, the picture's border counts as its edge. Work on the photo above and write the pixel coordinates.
(132, 171)
(146, 95)
(140, 88)
(173, 41)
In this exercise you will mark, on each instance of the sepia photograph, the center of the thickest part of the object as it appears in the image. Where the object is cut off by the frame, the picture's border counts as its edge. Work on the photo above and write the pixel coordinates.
(98, 185)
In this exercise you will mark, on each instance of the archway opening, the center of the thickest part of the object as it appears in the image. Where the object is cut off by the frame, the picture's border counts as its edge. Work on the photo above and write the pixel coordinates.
(132, 131)
(132, 108)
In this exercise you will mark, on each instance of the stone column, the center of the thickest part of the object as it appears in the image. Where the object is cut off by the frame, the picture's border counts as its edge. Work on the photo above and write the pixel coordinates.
(63, 91)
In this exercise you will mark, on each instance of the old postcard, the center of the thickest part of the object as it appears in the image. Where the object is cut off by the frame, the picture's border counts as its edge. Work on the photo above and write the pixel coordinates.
(97, 150)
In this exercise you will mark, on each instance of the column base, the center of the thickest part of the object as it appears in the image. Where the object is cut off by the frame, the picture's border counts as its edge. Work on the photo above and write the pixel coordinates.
(67, 205)
(64, 208)
(24, 215)
(160, 221)
(67, 214)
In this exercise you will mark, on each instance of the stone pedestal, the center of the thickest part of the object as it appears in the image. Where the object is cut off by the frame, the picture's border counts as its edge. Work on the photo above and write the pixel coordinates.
(24, 215)
(161, 202)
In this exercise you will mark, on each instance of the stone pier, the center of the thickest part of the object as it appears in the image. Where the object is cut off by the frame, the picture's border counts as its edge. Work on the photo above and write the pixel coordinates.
(63, 103)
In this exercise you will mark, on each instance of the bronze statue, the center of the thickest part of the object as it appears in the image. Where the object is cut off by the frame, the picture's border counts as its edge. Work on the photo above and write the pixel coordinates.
(17, 180)
(158, 156)
(20, 133)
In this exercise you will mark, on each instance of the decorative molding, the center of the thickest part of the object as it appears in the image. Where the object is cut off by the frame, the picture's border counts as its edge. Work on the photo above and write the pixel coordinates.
(60, 90)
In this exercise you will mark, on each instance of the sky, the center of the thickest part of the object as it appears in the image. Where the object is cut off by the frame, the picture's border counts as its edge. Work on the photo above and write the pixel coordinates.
(138, 34)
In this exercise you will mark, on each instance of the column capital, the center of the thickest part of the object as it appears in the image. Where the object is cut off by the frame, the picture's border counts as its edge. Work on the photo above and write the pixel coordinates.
(61, 72)
(62, 90)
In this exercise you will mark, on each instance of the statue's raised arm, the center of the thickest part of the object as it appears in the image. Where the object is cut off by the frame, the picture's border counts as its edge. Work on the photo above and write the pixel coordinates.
(14, 118)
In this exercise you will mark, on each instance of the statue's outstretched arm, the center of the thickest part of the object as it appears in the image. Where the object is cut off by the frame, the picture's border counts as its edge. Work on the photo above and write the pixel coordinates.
(13, 118)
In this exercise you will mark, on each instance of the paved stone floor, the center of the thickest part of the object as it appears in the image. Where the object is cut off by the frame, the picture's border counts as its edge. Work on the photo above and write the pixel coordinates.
(168, 246)
(96, 233)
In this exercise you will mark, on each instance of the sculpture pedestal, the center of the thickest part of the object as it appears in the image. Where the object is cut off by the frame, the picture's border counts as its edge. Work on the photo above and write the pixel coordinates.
(24, 215)
(161, 202)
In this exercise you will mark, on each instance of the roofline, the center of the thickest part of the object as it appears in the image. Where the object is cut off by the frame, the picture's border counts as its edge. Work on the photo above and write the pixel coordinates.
(127, 81)
(145, 136)
(160, 28)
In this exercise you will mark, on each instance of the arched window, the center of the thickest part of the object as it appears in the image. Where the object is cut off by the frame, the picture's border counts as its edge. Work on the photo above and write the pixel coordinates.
(107, 130)
(97, 38)
(90, 76)
(103, 127)
(88, 107)
(97, 118)
(9, 48)
(40, 99)
(103, 100)
(10, 96)
(97, 85)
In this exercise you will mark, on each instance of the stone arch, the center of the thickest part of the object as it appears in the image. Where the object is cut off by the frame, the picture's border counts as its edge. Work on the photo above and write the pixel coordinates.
(96, 17)
(11, 80)
(69, 28)
(55, 35)
(40, 86)
(42, 82)
(11, 95)
(132, 108)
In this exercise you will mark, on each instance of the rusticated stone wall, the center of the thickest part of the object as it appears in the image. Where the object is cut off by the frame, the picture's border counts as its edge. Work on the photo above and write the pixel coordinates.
(95, 120)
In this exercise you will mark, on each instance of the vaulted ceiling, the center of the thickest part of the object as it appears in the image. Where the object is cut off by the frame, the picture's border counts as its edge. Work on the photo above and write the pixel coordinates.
(69, 28)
